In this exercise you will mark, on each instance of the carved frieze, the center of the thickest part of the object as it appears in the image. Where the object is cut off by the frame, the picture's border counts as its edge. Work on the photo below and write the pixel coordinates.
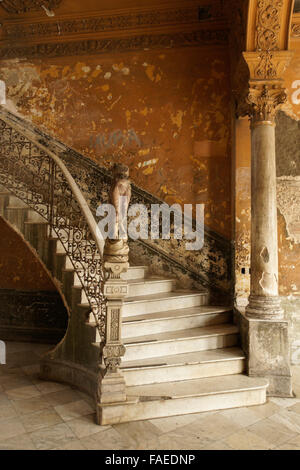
(97, 46)
(268, 24)
(23, 6)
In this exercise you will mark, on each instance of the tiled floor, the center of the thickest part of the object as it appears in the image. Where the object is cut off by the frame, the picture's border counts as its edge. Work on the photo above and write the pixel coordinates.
(41, 415)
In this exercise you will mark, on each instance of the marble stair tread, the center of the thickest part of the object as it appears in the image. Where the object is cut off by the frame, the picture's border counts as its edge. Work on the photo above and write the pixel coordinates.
(163, 295)
(196, 387)
(219, 330)
(180, 313)
(199, 357)
(150, 280)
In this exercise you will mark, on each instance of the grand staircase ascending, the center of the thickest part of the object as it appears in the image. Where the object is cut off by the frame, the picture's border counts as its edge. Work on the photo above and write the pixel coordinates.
(182, 355)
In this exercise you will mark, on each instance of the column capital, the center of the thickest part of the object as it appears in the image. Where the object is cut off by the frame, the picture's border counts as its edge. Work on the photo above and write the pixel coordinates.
(266, 91)
(264, 99)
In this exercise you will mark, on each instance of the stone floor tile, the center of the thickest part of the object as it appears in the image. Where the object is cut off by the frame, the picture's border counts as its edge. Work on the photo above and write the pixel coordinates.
(74, 410)
(48, 387)
(216, 427)
(247, 440)
(11, 427)
(22, 442)
(12, 382)
(171, 423)
(40, 419)
(284, 402)
(292, 444)
(62, 397)
(72, 445)
(138, 432)
(288, 418)
(85, 426)
(109, 439)
(273, 432)
(265, 410)
(241, 416)
(295, 408)
(30, 405)
(7, 411)
(23, 392)
(52, 437)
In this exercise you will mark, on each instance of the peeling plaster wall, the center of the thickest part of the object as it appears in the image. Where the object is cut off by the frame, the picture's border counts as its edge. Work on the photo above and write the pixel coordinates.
(19, 269)
(165, 113)
(31, 309)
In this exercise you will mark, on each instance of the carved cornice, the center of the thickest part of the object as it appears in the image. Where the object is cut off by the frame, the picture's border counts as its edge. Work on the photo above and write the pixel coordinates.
(267, 65)
(97, 23)
(23, 6)
(264, 100)
(146, 41)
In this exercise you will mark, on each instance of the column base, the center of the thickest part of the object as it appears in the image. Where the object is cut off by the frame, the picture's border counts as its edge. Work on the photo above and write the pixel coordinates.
(262, 307)
(267, 348)
(112, 388)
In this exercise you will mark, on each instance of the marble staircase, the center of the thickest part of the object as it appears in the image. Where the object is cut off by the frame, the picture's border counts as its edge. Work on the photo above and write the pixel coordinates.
(182, 355)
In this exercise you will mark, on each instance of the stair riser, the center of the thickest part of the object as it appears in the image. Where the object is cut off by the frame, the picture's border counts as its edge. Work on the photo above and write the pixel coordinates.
(35, 234)
(16, 217)
(167, 348)
(14, 201)
(174, 324)
(173, 407)
(134, 273)
(160, 305)
(149, 288)
(4, 200)
(182, 372)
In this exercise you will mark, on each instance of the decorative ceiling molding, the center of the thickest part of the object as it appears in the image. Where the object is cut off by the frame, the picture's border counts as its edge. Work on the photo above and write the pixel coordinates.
(36, 29)
(203, 37)
(23, 6)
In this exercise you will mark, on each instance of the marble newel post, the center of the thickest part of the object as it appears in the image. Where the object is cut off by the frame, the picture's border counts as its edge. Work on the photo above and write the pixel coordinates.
(265, 332)
(112, 387)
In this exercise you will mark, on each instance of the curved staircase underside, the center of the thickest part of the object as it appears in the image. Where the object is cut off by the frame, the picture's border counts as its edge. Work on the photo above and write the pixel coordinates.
(182, 355)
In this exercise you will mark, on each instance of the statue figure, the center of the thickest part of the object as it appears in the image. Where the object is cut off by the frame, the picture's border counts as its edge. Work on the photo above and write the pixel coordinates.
(116, 247)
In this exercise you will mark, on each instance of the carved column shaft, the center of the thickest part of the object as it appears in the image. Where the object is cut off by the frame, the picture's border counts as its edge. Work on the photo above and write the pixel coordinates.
(264, 301)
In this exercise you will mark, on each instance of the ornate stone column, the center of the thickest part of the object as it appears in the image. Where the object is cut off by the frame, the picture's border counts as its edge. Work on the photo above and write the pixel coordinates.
(265, 332)
(111, 385)
(264, 302)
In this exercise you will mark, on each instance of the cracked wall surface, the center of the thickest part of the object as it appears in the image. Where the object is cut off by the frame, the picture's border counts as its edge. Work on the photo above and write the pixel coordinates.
(164, 113)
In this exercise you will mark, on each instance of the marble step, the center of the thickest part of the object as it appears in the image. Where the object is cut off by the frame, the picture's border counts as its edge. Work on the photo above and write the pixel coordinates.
(182, 341)
(212, 363)
(160, 302)
(185, 397)
(172, 320)
(179, 342)
(135, 272)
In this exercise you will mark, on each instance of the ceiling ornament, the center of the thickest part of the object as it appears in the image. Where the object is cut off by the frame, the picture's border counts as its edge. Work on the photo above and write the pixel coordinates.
(23, 6)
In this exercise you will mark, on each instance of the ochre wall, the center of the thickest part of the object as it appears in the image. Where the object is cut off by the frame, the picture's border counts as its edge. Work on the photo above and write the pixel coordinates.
(175, 103)
(19, 269)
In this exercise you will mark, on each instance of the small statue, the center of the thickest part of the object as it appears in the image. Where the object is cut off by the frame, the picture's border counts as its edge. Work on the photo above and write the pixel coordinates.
(116, 247)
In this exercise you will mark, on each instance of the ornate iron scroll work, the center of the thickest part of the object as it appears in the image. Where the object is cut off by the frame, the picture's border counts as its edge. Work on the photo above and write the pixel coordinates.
(35, 178)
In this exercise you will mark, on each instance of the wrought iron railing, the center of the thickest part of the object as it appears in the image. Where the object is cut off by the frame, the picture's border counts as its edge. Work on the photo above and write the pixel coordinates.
(38, 177)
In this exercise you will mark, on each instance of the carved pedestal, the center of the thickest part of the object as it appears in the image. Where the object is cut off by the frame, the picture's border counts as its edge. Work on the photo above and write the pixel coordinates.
(112, 387)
